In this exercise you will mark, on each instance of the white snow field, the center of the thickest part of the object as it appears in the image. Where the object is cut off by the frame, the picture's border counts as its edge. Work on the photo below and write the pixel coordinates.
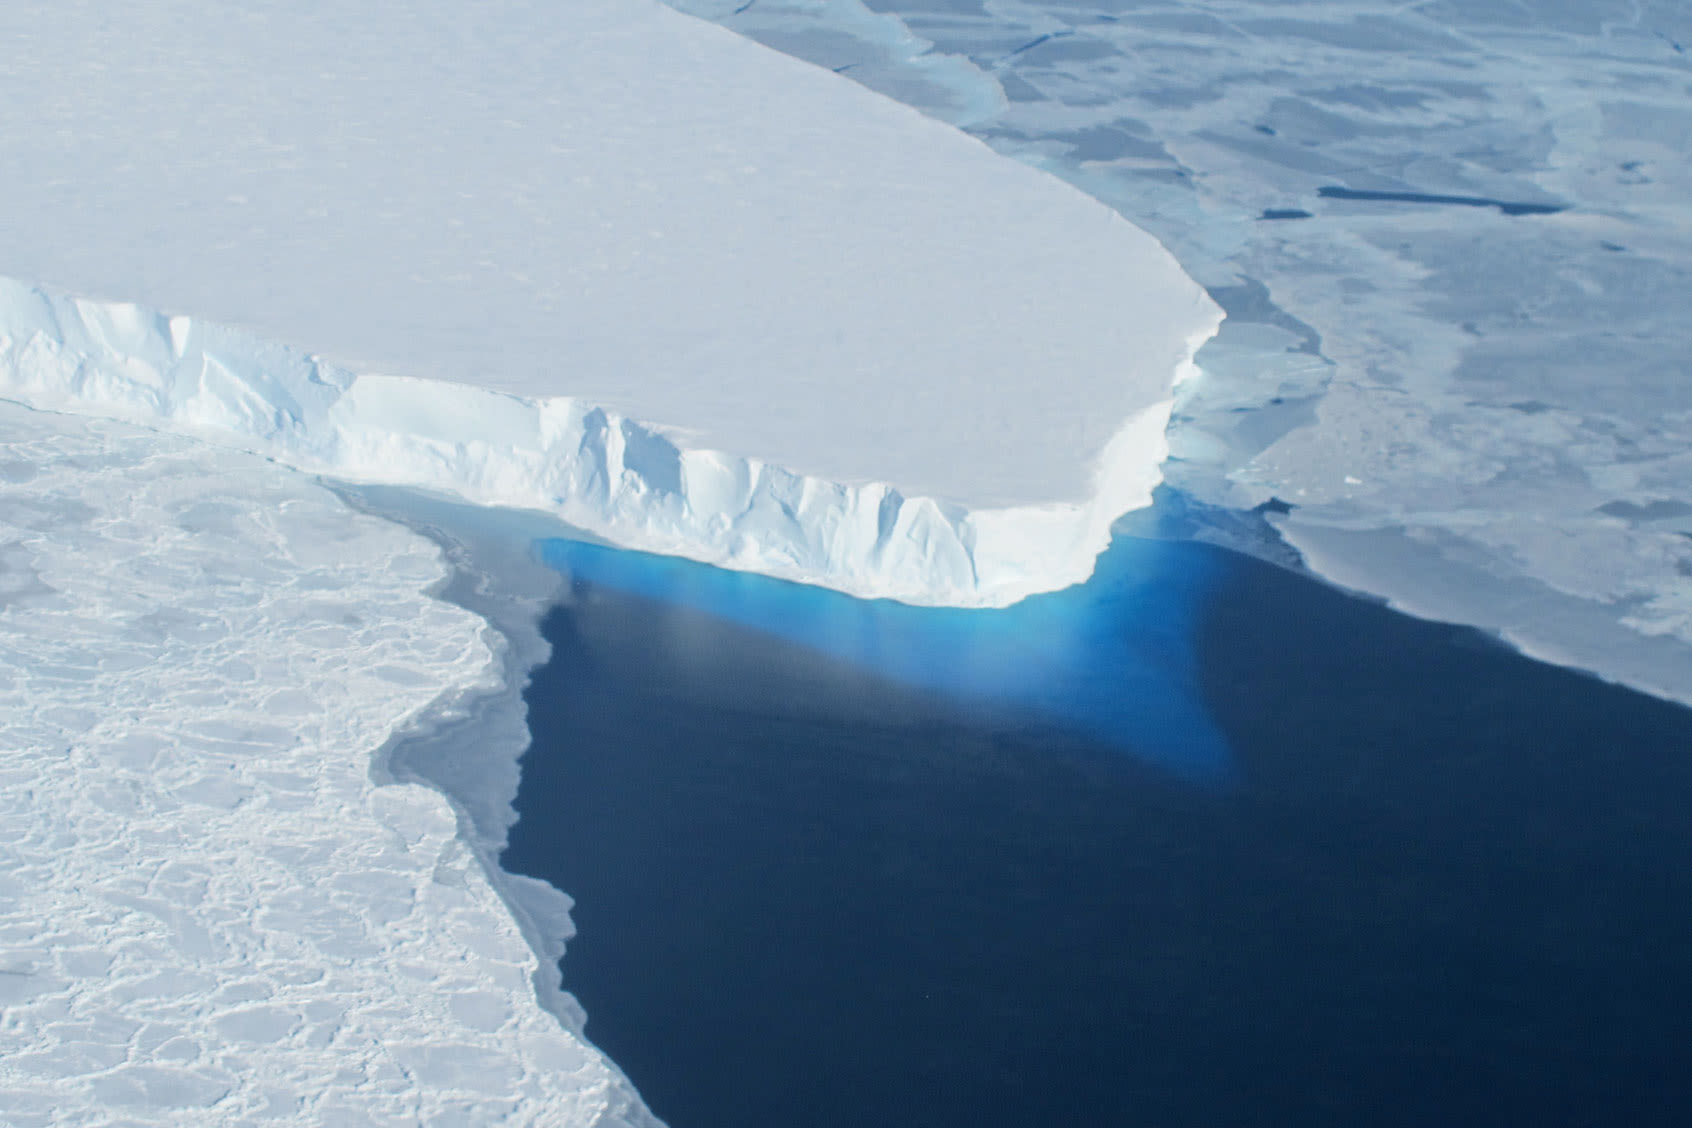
(1482, 416)
(209, 913)
(595, 257)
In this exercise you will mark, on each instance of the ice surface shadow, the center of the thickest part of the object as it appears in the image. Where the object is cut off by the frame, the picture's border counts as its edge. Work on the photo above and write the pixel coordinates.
(1111, 659)
(1508, 207)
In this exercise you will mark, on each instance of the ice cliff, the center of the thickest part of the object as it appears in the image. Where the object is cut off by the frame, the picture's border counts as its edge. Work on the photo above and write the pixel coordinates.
(592, 467)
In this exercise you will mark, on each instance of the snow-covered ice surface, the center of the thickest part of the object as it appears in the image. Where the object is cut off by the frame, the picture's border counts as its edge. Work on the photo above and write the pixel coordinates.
(1479, 408)
(596, 257)
(210, 912)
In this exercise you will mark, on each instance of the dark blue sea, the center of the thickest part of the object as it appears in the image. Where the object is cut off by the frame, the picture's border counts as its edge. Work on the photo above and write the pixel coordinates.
(1200, 843)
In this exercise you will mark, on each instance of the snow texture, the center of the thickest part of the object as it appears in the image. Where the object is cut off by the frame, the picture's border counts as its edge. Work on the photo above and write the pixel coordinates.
(1476, 403)
(602, 258)
(209, 913)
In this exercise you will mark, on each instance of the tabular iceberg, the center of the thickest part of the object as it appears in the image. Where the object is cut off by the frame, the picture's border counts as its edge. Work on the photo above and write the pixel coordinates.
(605, 259)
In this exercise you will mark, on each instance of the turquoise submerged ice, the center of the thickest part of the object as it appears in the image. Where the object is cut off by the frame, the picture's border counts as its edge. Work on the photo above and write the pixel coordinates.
(1112, 661)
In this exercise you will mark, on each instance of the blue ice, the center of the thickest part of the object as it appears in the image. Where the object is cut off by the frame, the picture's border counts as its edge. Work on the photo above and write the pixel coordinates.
(1113, 659)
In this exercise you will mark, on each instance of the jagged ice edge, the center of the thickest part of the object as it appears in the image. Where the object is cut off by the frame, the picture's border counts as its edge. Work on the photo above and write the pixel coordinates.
(634, 484)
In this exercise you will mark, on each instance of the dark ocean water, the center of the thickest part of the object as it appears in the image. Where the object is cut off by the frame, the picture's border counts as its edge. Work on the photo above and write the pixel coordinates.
(1201, 843)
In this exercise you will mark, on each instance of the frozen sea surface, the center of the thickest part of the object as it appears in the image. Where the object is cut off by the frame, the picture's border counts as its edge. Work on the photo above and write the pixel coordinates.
(210, 911)
(1480, 415)
(1475, 410)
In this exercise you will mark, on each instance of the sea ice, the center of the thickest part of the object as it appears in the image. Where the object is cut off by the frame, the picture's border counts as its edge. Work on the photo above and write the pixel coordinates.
(209, 912)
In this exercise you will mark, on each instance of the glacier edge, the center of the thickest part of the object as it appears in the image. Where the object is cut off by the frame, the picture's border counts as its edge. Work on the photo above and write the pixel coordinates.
(637, 486)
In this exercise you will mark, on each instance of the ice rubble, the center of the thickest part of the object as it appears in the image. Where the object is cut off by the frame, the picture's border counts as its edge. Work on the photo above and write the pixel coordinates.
(601, 258)
(209, 913)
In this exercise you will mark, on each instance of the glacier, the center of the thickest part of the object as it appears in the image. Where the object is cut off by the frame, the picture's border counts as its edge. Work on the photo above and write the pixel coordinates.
(600, 471)
(606, 260)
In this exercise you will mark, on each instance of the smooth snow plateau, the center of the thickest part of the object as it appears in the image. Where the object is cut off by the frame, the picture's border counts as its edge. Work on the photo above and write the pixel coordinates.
(602, 259)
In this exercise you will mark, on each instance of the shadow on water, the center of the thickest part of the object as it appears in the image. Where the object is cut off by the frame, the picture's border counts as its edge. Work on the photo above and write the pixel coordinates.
(1112, 658)
(1446, 885)
(1508, 207)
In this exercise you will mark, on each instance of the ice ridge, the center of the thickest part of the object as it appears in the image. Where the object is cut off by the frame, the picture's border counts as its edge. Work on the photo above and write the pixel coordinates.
(636, 485)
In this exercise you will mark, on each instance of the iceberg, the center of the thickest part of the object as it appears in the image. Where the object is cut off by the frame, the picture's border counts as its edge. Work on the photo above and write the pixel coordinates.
(605, 260)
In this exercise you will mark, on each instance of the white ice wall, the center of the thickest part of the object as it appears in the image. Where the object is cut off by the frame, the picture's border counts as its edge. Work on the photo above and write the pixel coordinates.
(594, 468)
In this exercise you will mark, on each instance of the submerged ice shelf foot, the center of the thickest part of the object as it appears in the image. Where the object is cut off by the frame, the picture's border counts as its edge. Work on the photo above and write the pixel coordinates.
(1112, 661)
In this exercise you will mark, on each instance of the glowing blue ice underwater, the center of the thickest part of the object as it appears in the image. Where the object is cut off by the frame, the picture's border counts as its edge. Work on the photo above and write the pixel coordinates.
(1113, 659)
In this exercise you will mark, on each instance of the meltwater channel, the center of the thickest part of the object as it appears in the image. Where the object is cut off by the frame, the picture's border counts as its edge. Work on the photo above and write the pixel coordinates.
(1201, 842)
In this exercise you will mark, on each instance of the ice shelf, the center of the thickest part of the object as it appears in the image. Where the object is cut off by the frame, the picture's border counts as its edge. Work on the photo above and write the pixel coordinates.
(604, 259)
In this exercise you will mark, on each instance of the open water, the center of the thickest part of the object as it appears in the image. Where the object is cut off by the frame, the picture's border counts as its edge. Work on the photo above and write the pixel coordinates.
(1201, 843)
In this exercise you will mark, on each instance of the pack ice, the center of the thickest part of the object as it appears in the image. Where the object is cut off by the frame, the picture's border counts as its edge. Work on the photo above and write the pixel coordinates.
(209, 912)
(601, 259)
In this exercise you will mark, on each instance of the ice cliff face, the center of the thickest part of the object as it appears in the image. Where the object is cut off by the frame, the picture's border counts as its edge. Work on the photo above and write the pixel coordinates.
(635, 485)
